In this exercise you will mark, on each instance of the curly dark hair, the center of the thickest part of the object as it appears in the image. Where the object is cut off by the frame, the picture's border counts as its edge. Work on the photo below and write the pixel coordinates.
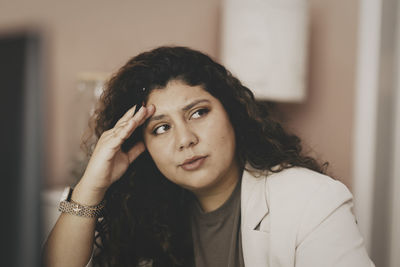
(146, 217)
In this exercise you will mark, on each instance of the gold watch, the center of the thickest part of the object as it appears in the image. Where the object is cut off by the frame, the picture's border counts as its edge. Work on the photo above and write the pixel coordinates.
(67, 205)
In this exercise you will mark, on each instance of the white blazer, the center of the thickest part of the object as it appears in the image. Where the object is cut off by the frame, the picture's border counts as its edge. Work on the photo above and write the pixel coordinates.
(301, 218)
(298, 218)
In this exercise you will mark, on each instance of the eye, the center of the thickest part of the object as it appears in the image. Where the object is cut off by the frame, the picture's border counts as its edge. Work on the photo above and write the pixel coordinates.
(161, 129)
(199, 113)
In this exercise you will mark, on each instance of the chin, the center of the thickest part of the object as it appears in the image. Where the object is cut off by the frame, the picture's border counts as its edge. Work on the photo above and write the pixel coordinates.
(200, 185)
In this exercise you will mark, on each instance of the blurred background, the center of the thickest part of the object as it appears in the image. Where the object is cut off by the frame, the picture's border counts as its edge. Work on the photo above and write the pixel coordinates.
(330, 68)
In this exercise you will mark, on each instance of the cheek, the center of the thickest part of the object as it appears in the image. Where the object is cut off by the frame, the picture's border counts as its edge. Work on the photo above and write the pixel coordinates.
(159, 152)
(223, 133)
(156, 152)
(221, 141)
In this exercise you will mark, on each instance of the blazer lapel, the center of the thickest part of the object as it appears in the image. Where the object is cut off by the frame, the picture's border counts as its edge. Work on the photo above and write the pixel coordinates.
(254, 208)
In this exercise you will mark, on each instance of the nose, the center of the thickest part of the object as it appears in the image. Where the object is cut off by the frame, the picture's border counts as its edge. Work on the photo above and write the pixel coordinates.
(185, 137)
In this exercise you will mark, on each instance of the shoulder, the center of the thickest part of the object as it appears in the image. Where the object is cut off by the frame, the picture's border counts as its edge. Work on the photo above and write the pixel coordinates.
(301, 183)
(306, 213)
(298, 183)
(305, 197)
(297, 190)
(298, 193)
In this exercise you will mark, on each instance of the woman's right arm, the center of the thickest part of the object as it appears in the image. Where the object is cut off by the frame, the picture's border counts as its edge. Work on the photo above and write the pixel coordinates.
(70, 243)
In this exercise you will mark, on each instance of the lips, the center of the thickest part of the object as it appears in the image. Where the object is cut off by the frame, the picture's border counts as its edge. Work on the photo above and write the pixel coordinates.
(193, 163)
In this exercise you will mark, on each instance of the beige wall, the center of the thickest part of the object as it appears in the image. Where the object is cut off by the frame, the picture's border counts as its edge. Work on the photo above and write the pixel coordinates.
(93, 35)
(325, 120)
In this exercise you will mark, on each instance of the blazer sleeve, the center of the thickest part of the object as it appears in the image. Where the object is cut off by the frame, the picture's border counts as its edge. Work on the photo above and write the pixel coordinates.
(328, 234)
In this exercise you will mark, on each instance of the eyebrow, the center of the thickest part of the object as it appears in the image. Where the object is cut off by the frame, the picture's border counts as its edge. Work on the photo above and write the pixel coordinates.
(185, 108)
(194, 103)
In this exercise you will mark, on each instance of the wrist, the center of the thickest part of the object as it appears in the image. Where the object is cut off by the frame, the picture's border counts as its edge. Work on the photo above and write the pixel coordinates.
(87, 195)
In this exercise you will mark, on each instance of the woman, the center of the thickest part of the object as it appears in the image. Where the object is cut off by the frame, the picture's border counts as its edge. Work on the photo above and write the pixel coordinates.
(199, 176)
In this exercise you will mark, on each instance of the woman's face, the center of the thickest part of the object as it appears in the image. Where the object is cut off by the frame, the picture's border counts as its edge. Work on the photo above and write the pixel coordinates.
(191, 139)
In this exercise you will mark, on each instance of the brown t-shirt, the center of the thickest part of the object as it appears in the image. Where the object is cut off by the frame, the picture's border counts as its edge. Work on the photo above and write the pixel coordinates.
(216, 234)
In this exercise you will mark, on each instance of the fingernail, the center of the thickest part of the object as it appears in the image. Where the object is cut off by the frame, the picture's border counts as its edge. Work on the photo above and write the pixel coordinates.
(141, 109)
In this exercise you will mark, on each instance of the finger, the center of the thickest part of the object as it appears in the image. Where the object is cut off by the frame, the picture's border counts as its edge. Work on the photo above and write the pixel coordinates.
(121, 132)
(135, 151)
(128, 114)
(136, 119)
(150, 111)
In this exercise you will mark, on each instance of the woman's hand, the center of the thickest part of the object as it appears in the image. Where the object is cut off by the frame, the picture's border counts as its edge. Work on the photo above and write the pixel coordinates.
(108, 162)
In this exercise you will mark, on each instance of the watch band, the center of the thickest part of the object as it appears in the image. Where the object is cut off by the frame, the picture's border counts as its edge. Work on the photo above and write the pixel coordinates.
(67, 205)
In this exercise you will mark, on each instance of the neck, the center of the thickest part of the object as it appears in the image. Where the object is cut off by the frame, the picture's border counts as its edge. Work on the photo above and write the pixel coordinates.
(211, 200)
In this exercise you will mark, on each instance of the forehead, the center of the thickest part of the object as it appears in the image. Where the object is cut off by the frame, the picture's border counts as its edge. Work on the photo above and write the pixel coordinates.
(176, 95)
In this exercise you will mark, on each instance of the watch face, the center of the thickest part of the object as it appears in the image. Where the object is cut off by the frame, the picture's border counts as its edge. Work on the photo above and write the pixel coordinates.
(66, 195)
(76, 208)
